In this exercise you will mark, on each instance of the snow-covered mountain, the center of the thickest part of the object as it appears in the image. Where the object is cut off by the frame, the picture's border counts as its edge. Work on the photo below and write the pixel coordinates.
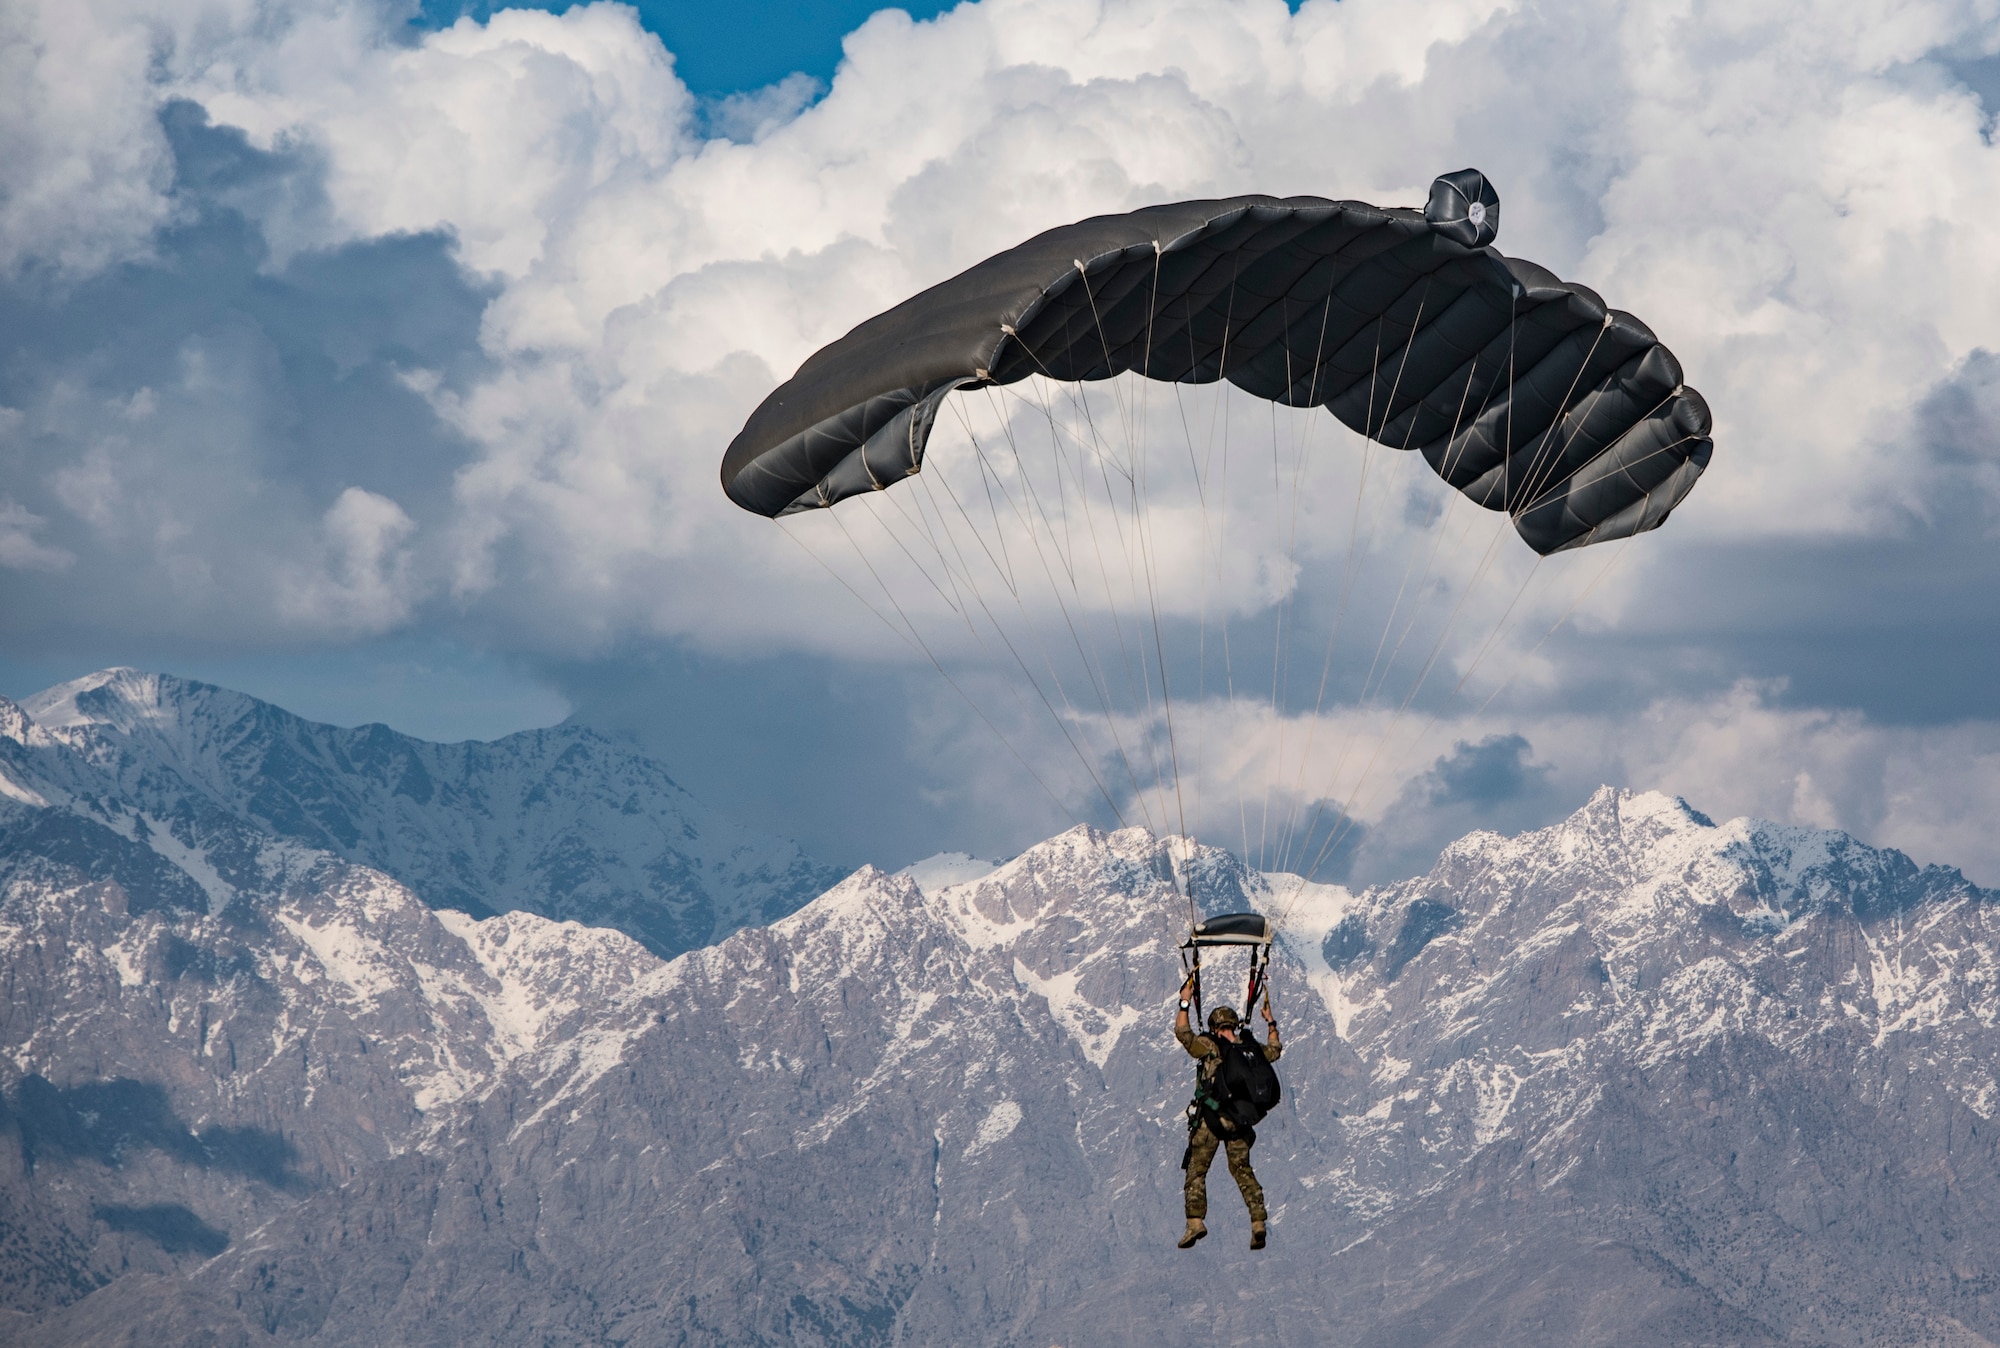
(562, 822)
(1633, 1079)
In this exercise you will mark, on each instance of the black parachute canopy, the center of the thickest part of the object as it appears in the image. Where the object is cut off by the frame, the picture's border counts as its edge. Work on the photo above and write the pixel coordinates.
(1522, 390)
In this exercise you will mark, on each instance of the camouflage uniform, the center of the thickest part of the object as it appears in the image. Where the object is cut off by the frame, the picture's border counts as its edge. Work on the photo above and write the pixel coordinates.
(1202, 1143)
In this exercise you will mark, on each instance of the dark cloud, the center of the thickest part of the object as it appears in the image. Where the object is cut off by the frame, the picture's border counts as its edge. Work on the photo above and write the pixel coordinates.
(1981, 74)
(1495, 771)
(1494, 784)
(858, 762)
(1327, 843)
(181, 425)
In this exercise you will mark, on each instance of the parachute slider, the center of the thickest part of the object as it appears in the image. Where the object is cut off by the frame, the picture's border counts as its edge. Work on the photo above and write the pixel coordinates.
(1229, 929)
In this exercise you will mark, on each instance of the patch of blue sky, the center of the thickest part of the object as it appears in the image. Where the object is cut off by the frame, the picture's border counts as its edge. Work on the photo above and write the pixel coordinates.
(727, 49)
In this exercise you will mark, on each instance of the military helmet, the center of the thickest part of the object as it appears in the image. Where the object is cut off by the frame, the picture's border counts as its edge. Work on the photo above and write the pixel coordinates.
(1222, 1018)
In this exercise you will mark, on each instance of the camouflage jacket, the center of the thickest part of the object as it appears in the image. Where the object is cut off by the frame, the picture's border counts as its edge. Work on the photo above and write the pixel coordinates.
(1208, 1057)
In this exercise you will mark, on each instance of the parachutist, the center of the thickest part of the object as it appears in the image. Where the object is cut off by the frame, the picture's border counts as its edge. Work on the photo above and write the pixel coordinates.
(1225, 1108)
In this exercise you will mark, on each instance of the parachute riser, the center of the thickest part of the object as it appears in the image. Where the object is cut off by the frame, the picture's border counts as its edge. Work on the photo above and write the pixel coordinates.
(1260, 961)
(1230, 929)
(1192, 968)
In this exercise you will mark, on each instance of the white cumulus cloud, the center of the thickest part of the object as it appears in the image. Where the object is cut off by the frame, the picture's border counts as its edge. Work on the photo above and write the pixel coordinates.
(1800, 196)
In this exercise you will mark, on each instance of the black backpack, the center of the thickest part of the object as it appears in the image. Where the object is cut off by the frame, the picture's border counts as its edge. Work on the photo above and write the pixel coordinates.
(1245, 1084)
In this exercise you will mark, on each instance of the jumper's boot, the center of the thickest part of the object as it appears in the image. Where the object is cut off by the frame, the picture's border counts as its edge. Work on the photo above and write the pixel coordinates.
(1195, 1231)
(1256, 1235)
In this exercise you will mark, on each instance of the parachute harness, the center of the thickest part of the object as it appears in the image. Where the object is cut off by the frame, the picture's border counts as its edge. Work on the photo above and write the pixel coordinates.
(1226, 929)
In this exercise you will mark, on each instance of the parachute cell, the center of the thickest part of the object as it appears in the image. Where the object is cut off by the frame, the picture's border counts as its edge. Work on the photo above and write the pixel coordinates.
(1522, 391)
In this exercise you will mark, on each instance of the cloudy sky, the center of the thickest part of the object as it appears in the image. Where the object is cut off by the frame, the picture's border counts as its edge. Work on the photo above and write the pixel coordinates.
(377, 360)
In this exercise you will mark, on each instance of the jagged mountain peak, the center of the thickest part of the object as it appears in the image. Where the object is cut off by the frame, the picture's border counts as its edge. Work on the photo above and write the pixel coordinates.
(15, 723)
(947, 868)
(562, 821)
(117, 696)
(1571, 1086)
(1656, 849)
(1128, 861)
(1615, 826)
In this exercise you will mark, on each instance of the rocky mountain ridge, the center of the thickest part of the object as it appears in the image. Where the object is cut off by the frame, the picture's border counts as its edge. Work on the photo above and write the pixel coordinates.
(1637, 1078)
(562, 822)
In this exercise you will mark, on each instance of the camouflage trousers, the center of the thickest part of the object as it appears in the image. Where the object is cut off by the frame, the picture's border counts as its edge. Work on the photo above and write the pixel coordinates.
(1202, 1146)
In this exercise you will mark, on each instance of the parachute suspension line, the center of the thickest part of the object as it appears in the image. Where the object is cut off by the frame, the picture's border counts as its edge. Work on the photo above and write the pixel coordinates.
(1220, 411)
(920, 567)
(916, 642)
(1371, 436)
(1410, 625)
(1437, 544)
(967, 615)
(1610, 563)
(1277, 705)
(1301, 467)
(1150, 555)
(1532, 484)
(931, 533)
(1617, 555)
(1133, 680)
(1055, 589)
(999, 568)
(1395, 606)
(1201, 624)
(999, 531)
(1054, 677)
(1345, 824)
(1349, 567)
(1006, 424)
(1626, 468)
(965, 608)
(1200, 479)
(1001, 632)
(1139, 540)
(1149, 561)
(1132, 683)
(908, 638)
(1430, 563)
(1319, 699)
(1561, 619)
(1138, 674)
(1118, 401)
(1300, 879)
(931, 495)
